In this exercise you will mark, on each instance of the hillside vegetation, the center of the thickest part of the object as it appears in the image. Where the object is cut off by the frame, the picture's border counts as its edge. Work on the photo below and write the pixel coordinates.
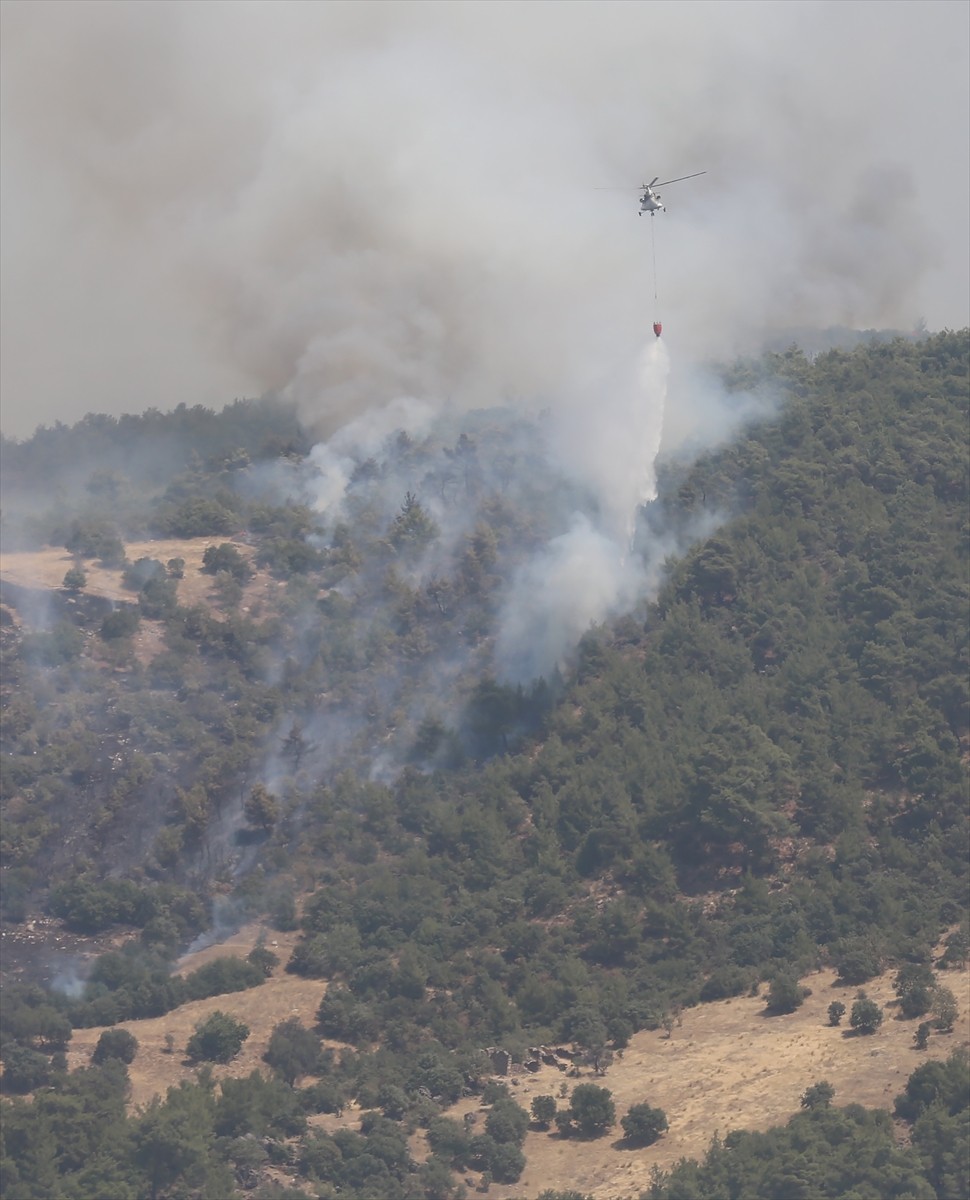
(721, 1064)
(760, 771)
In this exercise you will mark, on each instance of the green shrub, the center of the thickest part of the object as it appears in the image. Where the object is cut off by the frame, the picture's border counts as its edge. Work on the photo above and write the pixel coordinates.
(643, 1124)
(115, 1043)
(218, 1038)
(866, 1015)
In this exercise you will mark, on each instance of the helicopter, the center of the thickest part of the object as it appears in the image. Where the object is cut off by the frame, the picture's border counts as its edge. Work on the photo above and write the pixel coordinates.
(650, 201)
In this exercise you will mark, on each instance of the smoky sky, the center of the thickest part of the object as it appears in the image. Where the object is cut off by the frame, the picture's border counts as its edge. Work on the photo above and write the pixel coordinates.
(348, 203)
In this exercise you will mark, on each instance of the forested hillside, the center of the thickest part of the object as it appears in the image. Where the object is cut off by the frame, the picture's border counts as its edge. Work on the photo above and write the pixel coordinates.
(759, 769)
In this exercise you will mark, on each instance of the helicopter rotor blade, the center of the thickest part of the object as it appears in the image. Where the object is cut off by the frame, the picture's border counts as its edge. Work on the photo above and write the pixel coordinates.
(645, 187)
(679, 178)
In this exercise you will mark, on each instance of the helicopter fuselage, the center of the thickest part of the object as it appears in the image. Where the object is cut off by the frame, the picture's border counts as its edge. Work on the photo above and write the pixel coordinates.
(650, 202)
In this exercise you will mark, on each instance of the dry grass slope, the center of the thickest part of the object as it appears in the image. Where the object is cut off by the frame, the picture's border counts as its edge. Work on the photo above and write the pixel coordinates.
(45, 570)
(727, 1066)
(279, 998)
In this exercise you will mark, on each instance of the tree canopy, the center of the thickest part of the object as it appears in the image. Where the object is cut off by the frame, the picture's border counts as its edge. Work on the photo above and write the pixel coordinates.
(754, 771)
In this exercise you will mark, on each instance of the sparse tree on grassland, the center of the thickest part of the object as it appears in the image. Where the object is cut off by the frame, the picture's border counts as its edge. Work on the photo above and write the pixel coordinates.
(293, 1050)
(591, 1111)
(866, 1015)
(218, 1038)
(785, 994)
(819, 1095)
(115, 1043)
(944, 1008)
(643, 1124)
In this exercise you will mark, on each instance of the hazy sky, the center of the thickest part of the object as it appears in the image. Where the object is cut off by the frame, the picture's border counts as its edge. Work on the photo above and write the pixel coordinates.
(351, 202)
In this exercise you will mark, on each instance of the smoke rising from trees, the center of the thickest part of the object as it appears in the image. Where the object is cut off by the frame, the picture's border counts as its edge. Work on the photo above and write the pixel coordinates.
(355, 202)
(390, 211)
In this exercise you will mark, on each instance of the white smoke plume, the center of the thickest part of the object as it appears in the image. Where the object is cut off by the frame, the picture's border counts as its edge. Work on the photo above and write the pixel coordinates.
(356, 201)
(608, 435)
(333, 462)
(581, 578)
(589, 573)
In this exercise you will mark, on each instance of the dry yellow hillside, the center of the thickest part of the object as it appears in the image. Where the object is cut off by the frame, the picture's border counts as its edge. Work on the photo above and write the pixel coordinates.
(46, 568)
(726, 1066)
(279, 998)
(730, 1066)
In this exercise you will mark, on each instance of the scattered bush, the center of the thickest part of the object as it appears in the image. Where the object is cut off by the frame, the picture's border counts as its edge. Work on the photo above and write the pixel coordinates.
(956, 951)
(121, 623)
(141, 571)
(857, 961)
(293, 1051)
(75, 579)
(785, 994)
(507, 1122)
(115, 1043)
(323, 1097)
(264, 959)
(944, 1008)
(819, 1095)
(223, 975)
(495, 1090)
(449, 1140)
(866, 1015)
(913, 986)
(643, 1124)
(724, 983)
(226, 557)
(507, 1162)
(218, 1038)
(591, 1112)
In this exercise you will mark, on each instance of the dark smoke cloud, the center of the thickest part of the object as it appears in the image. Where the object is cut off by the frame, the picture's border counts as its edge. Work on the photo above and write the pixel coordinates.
(353, 202)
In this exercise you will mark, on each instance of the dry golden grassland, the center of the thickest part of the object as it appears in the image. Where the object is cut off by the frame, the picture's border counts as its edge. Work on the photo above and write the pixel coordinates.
(279, 998)
(45, 569)
(726, 1066)
(729, 1066)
